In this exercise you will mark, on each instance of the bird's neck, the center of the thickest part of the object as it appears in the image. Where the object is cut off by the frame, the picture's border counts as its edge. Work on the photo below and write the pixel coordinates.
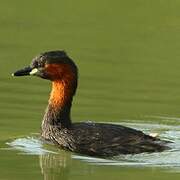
(59, 107)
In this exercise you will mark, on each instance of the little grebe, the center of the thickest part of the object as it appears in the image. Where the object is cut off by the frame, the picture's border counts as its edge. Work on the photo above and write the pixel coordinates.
(95, 139)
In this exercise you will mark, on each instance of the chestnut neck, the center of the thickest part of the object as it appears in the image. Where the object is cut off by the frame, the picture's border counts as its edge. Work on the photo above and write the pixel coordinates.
(58, 112)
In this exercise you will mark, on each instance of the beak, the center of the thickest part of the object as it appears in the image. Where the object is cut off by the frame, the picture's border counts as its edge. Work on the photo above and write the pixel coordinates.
(26, 71)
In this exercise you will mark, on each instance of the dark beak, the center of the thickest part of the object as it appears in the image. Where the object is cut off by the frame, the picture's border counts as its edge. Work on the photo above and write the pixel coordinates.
(23, 72)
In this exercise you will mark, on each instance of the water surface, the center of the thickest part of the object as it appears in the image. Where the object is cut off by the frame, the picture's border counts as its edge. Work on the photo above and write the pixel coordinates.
(128, 58)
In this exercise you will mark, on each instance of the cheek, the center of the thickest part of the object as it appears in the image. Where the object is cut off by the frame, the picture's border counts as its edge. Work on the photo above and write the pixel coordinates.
(45, 75)
(53, 72)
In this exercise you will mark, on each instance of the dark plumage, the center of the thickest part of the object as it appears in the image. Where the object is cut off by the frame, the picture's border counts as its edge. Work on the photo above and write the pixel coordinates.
(95, 139)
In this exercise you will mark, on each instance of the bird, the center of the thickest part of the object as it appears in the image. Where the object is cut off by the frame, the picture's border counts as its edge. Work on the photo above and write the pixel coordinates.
(88, 138)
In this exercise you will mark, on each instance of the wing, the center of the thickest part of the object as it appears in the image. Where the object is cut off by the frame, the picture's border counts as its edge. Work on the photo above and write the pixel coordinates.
(100, 139)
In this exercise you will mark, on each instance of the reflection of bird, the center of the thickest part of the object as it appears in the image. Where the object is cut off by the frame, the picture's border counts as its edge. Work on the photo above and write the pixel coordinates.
(96, 139)
(53, 166)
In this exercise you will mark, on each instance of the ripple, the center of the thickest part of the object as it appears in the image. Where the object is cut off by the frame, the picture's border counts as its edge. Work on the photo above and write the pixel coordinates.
(169, 158)
(29, 145)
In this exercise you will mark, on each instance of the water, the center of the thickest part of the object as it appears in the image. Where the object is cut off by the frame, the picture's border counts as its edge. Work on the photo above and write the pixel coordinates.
(128, 58)
(34, 146)
(53, 163)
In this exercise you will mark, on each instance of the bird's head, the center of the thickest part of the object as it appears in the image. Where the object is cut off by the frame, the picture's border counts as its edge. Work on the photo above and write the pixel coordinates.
(51, 65)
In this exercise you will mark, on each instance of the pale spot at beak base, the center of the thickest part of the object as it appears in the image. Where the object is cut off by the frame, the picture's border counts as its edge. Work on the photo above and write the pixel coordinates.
(34, 71)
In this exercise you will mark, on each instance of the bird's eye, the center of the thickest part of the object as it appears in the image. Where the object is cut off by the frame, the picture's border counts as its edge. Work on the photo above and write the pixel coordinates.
(34, 64)
(40, 64)
(37, 63)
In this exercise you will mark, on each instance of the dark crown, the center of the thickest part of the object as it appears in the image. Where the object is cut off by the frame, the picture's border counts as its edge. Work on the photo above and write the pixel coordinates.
(52, 57)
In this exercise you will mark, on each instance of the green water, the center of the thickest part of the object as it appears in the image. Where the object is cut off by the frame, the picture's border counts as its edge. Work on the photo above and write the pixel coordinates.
(128, 54)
